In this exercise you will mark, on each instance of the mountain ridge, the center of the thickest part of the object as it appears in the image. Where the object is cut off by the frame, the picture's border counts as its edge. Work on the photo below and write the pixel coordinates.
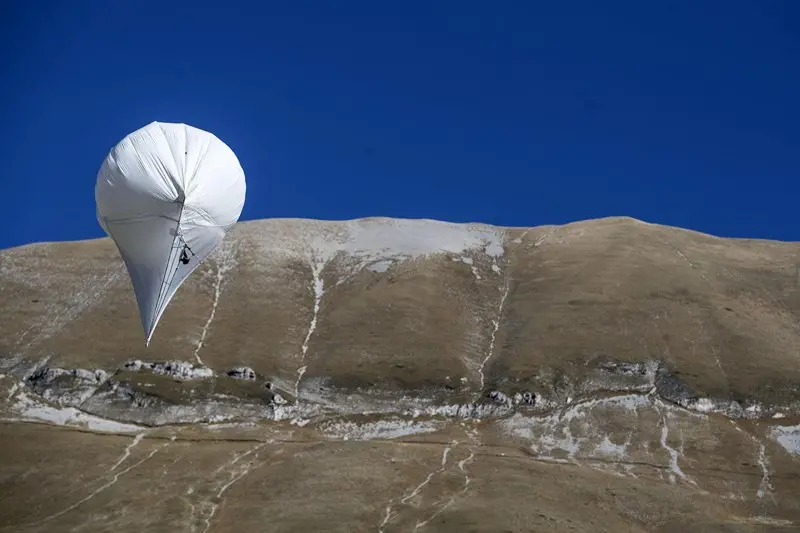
(439, 221)
(661, 360)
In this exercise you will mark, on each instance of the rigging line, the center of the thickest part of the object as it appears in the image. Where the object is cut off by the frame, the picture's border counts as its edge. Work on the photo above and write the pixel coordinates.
(166, 269)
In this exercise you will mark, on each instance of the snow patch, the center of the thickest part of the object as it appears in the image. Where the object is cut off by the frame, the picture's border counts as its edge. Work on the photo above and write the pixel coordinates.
(608, 449)
(788, 437)
(32, 410)
(575, 430)
(585, 430)
(380, 266)
(375, 243)
(704, 405)
(469, 261)
(408, 239)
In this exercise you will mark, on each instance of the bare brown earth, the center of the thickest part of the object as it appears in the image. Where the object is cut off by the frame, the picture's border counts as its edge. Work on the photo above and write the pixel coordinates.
(607, 375)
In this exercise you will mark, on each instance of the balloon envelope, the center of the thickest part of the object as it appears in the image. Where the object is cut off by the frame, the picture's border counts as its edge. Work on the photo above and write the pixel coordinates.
(167, 194)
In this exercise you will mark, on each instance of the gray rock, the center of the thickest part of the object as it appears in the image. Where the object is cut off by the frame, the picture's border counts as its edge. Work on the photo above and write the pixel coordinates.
(672, 388)
(66, 387)
(176, 369)
(277, 399)
(243, 372)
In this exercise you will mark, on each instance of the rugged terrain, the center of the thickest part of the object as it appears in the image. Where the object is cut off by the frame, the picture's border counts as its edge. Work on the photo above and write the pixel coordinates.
(400, 375)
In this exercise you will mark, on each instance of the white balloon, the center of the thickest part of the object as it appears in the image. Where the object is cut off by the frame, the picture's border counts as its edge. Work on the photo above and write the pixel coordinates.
(167, 194)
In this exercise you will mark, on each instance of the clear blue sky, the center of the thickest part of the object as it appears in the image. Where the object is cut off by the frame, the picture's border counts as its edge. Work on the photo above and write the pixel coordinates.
(515, 113)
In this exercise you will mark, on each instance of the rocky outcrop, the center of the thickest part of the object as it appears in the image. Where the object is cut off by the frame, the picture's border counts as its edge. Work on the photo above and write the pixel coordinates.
(242, 372)
(118, 395)
(174, 369)
(66, 387)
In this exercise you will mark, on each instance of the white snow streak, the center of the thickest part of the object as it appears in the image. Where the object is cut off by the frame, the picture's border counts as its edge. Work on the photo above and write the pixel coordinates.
(12, 391)
(663, 411)
(674, 454)
(300, 372)
(238, 474)
(224, 264)
(462, 467)
(496, 327)
(386, 517)
(238, 457)
(102, 487)
(55, 317)
(688, 261)
(215, 506)
(427, 480)
(389, 513)
(136, 440)
(519, 239)
(544, 237)
(765, 488)
(318, 286)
